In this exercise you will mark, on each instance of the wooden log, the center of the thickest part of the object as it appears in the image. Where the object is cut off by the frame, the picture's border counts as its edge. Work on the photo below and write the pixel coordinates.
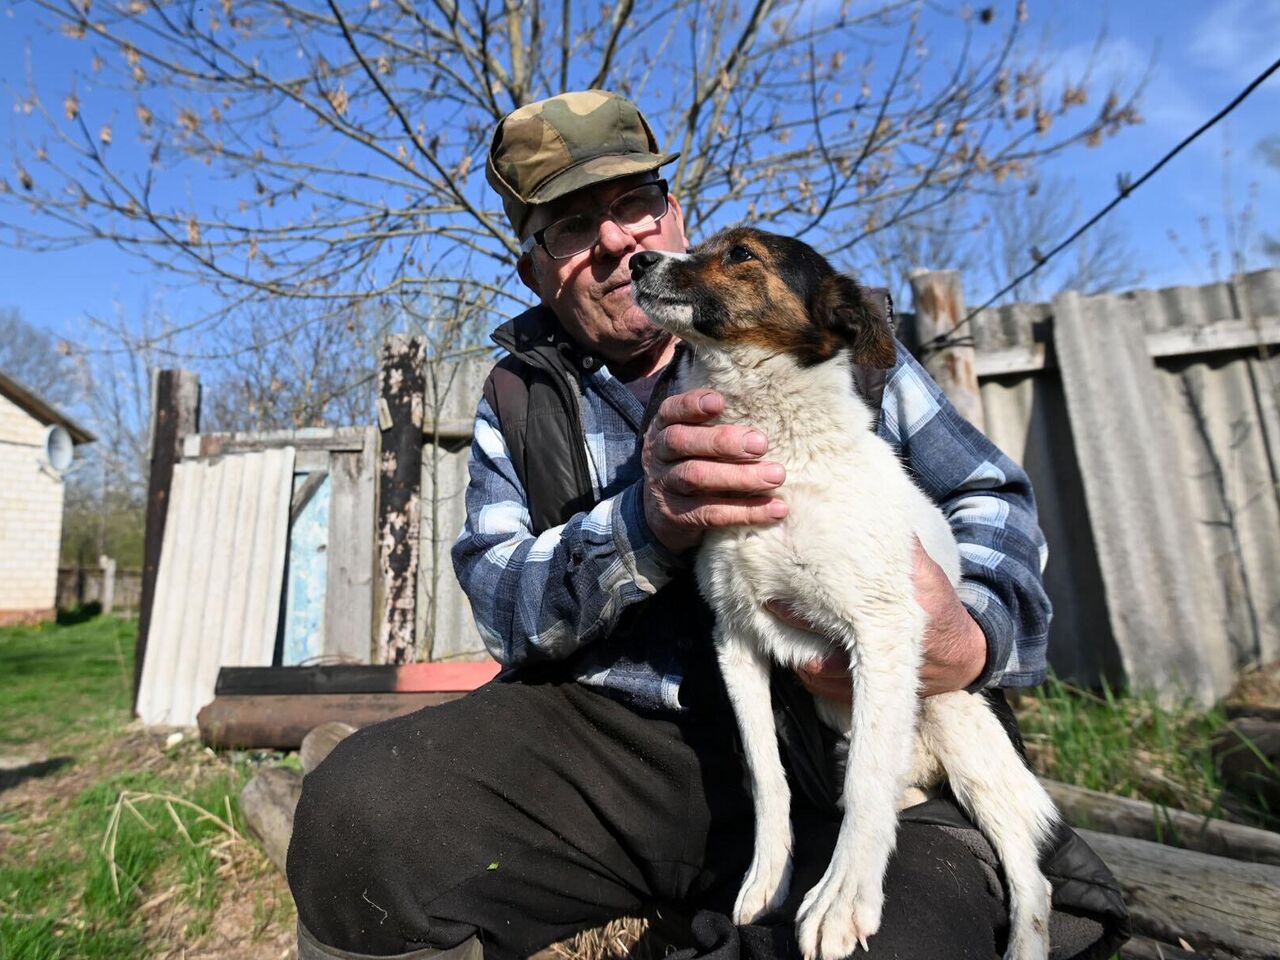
(402, 386)
(175, 412)
(1144, 948)
(1247, 752)
(349, 626)
(451, 677)
(268, 802)
(939, 309)
(281, 722)
(319, 743)
(1223, 908)
(1151, 821)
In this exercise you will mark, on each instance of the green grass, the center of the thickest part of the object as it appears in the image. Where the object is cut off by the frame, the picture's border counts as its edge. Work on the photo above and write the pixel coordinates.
(1130, 746)
(125, 822)
(58, 680)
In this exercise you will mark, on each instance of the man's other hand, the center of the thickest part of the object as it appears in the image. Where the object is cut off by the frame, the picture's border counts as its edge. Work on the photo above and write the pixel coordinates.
(699, 476)
(955, 650)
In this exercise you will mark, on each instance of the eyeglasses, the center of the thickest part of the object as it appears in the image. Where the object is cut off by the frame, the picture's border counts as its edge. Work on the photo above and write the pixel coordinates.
(633, 211)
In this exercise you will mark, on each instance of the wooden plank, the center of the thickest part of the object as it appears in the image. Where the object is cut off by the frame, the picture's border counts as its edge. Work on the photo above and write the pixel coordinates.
(349, 439)
(402, 386)
(1219, 336)
(349, 590)
(448, 431)
(1010, 361)
(1143, 948)
(1214, 337)
(1149, 821)
(281, 722)
(175, 412)
(346, 678)
(303, 631)
(1221, 907)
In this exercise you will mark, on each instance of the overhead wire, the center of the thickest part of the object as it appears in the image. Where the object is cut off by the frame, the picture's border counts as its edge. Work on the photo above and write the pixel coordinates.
(1125, 186)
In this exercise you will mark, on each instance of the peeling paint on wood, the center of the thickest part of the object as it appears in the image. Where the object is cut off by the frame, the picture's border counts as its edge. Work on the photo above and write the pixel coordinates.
(402, 387)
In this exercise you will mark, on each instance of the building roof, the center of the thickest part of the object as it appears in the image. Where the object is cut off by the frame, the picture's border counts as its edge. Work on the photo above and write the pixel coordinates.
(43, 411)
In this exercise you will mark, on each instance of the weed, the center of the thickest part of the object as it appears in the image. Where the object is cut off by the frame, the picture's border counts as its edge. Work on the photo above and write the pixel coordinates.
(1124, 744)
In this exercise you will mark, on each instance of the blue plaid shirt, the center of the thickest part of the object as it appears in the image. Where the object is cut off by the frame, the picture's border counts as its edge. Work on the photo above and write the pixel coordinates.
(559, 593)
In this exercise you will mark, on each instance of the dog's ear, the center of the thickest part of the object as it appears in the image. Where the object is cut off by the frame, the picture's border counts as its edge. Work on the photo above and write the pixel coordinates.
(842, 308)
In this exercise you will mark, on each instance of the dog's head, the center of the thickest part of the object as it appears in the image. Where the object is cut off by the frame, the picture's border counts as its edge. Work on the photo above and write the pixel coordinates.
(745, 288)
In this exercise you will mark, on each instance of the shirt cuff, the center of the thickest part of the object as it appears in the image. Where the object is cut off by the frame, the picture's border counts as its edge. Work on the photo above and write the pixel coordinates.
(652, 565)
(997, 627)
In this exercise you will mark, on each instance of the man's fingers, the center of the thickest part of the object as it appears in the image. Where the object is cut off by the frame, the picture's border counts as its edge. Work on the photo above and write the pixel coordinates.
(692, 406)
(729, 512)
(681, 441)
(702, 477)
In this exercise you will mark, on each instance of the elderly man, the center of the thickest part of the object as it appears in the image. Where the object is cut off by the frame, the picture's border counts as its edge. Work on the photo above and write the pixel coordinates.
(601, 775)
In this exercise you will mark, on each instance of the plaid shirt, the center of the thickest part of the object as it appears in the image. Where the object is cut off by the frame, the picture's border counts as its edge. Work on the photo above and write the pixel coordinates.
(560, 593)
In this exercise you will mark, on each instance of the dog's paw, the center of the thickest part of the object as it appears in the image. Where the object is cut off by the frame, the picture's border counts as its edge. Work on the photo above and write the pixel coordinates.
(836, 918)
(764, 888)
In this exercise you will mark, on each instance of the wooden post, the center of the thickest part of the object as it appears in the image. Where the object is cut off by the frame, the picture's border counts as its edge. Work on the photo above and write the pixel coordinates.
(108, 567)
(175, 412)
(402, 387)
(939, 306)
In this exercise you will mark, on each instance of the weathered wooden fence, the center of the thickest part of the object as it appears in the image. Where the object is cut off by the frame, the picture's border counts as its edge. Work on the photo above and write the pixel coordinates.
(1147, 421)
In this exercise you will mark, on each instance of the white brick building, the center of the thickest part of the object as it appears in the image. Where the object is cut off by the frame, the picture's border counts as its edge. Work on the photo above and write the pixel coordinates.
(30, 504)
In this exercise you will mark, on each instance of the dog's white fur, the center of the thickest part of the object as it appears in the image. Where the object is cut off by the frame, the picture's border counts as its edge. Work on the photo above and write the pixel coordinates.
(843, 558)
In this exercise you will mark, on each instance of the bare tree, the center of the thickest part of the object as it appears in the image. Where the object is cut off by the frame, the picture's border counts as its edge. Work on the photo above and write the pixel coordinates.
(36, 359)
(995, 237)
(1269, 150)
(353, 135)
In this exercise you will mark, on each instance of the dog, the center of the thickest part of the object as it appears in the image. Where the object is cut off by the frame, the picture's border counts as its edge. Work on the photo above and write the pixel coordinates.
(773, 328)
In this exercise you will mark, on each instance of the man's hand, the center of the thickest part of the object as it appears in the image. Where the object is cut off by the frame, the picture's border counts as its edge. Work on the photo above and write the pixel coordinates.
(955, 650)
(699, 476)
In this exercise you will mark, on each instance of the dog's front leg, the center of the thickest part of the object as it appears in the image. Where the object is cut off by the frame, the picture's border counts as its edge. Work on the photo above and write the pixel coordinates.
(844, 909)
(746, 676)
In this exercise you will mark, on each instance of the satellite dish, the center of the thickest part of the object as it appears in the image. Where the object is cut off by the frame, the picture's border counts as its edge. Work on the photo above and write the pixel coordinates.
(58, 448)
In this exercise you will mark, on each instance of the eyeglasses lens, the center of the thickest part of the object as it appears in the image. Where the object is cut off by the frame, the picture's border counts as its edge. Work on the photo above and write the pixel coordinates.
(634, 210)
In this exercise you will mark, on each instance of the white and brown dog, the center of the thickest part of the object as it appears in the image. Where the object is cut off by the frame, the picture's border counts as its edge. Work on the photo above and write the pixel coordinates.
(773, 329)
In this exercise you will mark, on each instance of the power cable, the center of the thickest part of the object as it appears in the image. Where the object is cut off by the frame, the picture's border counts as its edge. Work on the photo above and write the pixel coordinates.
(1125, 188)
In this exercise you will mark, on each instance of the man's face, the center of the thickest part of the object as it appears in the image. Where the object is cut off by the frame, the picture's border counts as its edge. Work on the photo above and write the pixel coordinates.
(590, 292)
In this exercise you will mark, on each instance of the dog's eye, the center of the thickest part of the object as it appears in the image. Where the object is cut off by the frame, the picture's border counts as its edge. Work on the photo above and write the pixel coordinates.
(740, 253)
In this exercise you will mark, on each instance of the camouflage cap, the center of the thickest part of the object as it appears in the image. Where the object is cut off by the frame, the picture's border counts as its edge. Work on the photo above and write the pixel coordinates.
(547, 149)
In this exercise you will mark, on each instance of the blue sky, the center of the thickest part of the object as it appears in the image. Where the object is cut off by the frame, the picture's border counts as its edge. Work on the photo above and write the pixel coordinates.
(1195, 56)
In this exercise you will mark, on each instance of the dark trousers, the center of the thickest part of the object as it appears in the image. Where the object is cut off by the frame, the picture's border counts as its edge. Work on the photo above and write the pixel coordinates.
(526, 812)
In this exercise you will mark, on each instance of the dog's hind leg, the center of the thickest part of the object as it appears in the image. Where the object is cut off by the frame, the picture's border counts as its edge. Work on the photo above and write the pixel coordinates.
(844, 909)
(746, 676)
(1004, 799)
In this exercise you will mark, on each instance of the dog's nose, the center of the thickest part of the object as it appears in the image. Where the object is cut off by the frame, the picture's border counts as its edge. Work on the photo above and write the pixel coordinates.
(641, 263)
